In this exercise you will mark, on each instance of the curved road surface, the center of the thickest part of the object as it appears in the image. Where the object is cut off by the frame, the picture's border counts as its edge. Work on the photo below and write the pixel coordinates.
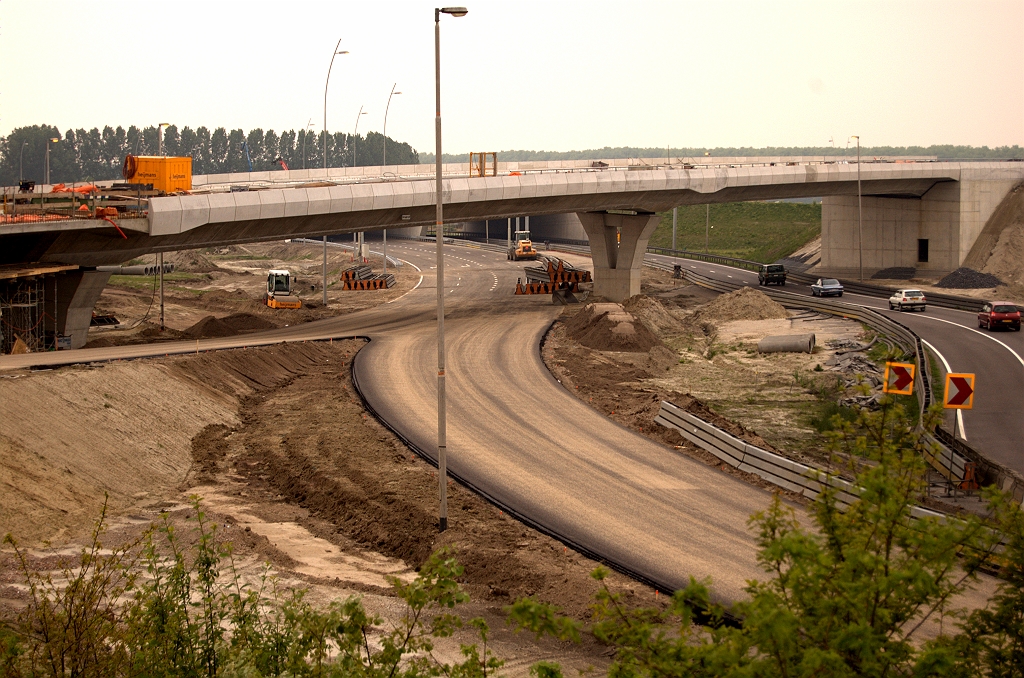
(517, 435)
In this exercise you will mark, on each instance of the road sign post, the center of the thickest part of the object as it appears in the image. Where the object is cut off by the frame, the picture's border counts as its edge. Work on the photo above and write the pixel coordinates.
(959, 392)
(899, 378)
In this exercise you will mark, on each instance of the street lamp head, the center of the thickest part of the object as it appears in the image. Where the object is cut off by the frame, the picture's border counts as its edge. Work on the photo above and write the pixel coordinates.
(396, 93)
(54, 140)
(165, 124)
(455, 11)
(344, 51)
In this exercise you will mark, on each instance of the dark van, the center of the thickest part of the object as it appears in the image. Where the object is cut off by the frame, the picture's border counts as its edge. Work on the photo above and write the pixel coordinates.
(771, 273)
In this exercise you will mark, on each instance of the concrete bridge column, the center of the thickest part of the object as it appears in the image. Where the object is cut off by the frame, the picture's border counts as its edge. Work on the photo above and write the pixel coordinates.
(617, 243)
(77, 294)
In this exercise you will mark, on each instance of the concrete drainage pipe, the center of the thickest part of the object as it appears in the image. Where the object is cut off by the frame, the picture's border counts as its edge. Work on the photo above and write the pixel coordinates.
(787, 343)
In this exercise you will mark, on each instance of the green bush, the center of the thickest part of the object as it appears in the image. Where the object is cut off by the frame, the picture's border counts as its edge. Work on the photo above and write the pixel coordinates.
(158, 608)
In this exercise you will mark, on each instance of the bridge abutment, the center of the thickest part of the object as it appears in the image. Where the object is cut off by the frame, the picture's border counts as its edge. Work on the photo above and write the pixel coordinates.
(618, 243)
(933, 233)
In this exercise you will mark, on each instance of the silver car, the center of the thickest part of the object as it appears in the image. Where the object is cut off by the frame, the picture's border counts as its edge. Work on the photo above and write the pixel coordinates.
(827, 287)
(903, 299)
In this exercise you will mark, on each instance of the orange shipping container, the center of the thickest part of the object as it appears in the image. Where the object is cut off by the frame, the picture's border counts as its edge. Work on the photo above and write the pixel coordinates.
(165, 173)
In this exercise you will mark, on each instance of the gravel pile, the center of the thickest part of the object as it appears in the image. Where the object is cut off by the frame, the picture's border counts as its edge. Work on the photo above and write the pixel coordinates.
(896, 273)
(968, 279)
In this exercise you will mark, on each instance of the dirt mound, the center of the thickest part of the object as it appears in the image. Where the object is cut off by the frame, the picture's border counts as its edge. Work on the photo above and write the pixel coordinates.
(190, 261)
(244, 322)
(968, 279)
(895, 273)
(609, 327)
(746, 303)
(652, 313)
(209, 328)
(1004, 263)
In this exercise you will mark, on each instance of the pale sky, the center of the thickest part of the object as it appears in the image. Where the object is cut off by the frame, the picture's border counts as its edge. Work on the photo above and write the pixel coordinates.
(528, 74)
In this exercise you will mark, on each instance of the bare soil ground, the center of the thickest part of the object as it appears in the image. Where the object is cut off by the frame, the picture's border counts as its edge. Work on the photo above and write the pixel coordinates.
(289, 465)
(230, 281)
(706, 362)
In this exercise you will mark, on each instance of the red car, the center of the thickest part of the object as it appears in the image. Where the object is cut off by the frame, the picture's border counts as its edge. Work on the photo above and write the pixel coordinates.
(999, 314)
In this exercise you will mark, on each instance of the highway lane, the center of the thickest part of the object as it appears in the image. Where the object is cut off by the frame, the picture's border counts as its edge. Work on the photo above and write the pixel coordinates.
(995, 426)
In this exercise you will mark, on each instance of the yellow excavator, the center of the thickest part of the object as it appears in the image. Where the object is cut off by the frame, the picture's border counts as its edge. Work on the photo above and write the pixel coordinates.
(279, 290)
(523, 247)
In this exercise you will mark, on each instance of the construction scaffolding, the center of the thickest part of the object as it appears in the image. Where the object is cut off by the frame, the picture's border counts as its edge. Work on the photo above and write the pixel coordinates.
(28, 307)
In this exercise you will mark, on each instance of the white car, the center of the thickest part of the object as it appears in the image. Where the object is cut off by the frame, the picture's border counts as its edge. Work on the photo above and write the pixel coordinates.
(907, 299)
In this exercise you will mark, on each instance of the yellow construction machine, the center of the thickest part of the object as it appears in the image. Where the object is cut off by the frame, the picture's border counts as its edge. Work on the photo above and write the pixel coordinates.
(523, 247)
(279, 290)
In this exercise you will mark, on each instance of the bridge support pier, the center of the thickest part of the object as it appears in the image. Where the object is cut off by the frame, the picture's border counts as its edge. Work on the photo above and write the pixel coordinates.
(618, 243)
(77, 294)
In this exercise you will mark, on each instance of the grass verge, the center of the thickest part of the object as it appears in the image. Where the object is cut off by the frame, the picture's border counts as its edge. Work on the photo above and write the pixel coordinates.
(758, 231)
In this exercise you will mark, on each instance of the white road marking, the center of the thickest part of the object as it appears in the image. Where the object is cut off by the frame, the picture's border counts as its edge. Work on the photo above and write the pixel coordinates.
(945, 363)
(418, 283)
(971, 329)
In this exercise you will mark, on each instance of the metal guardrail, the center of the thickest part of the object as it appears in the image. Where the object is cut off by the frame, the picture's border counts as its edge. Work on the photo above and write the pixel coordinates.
(801, 478)
(947, 462)
(392, 260)
(992, 473)
(867, 289)
(710, 258)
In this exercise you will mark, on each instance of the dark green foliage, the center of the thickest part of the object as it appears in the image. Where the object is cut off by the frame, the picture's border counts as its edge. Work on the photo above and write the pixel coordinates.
(96, 155)
(757, 231)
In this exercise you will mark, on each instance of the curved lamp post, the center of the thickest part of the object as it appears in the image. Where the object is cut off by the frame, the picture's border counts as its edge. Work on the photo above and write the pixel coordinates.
(442, 422)
(386, 109)
(354, 133)
(334, 54)
(385, 164)
(326, 83)
(305, 133)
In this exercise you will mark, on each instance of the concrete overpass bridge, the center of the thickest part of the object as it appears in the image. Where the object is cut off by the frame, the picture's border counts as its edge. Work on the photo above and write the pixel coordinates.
(946, 204)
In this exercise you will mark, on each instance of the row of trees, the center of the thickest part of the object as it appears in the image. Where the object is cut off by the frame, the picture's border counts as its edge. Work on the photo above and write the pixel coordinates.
(944, 152)
(92, 155)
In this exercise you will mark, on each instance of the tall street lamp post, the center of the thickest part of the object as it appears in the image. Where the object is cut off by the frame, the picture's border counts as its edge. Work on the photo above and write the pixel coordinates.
(335, 53)
(160, 137)
(160, 255)
(46, 163)
(362, 243)
(442, 455)
(354, 133)
(385, 163)
(860, 214)
(21, 162)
